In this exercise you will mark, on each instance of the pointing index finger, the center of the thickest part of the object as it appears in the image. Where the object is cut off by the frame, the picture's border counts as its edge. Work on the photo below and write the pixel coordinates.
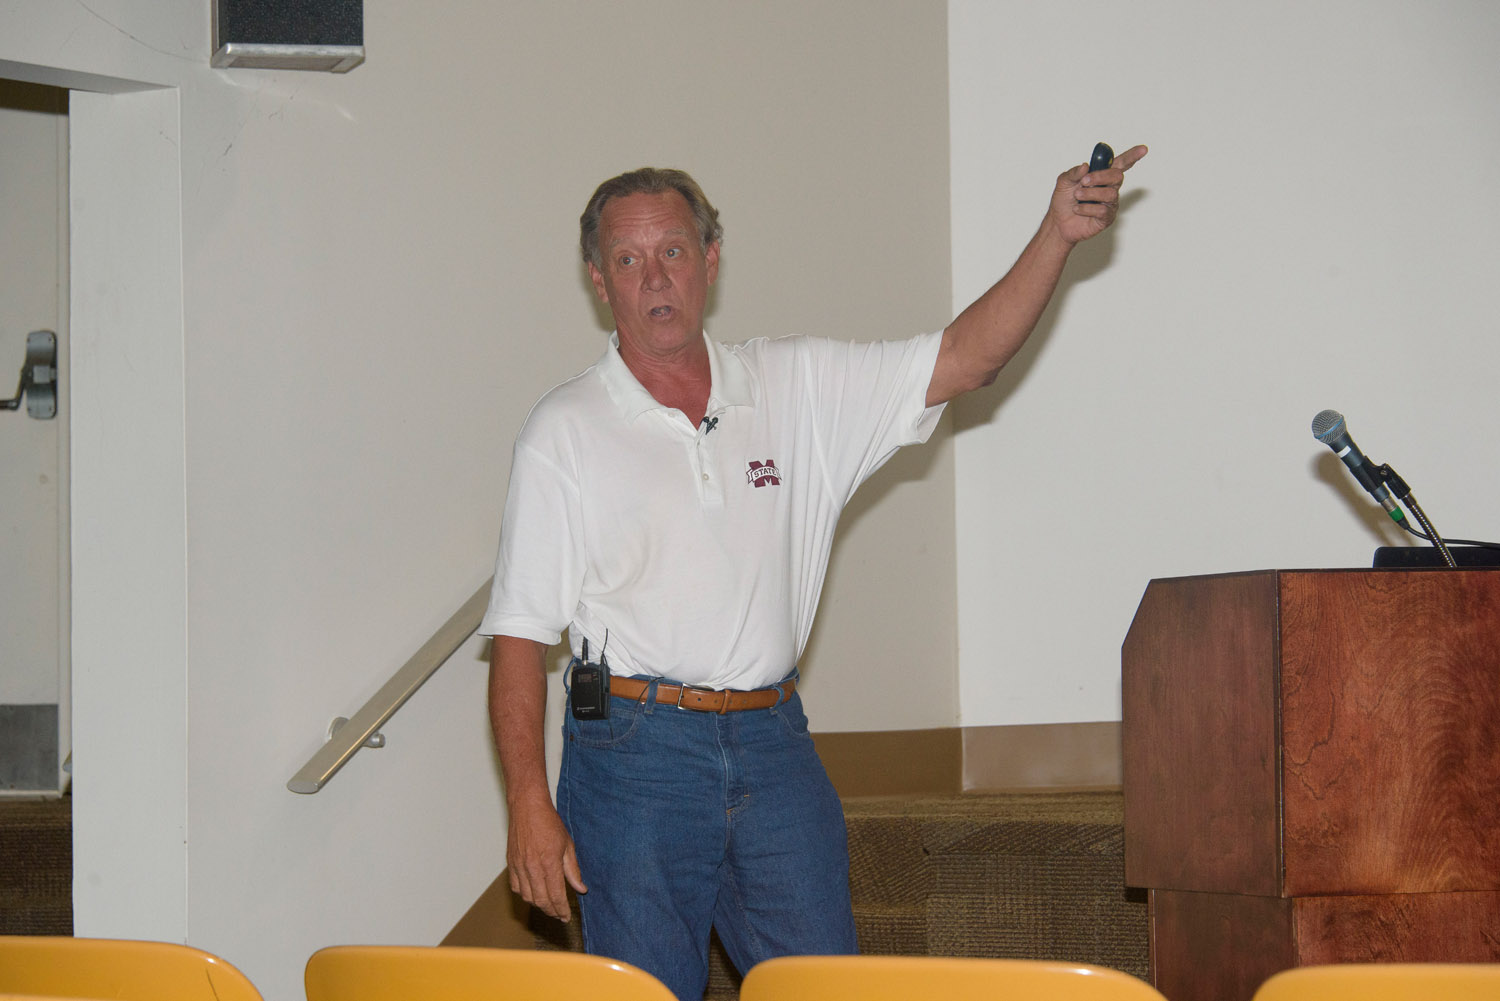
(1130, 157)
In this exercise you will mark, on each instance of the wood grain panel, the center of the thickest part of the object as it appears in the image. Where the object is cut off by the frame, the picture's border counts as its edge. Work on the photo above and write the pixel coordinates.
(1398, 928)
(1199, 728)
(1373, 698)
(1391, 731)
(1217, 946)
(1222, 946)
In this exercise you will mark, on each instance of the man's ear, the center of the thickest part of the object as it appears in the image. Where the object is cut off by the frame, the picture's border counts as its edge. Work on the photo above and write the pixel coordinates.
(598, 279)
(711, 256)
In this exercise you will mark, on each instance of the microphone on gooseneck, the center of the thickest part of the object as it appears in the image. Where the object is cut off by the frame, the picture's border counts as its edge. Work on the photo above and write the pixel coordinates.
(1329, 428)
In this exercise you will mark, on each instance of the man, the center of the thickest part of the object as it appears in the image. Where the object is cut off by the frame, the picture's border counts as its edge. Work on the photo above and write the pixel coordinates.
(674, 507)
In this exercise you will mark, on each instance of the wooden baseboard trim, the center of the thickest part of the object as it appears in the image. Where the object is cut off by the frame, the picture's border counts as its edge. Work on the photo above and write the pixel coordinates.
(1042, 756)
(894, 762)
(953, 760)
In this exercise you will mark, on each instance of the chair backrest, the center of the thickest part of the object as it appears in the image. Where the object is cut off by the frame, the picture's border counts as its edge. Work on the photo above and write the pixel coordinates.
(117, 970)
(888, 978)
(1385, 982)
(461, 973)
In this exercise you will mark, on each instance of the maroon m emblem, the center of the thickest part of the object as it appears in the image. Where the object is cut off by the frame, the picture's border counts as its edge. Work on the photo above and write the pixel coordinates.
(762, 474)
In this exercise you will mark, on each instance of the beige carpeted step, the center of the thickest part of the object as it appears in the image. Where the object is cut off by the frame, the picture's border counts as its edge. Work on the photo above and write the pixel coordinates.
(1027, 875)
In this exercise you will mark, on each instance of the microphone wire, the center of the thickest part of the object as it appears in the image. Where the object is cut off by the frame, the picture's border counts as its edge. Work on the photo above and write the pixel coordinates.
(1452, 542)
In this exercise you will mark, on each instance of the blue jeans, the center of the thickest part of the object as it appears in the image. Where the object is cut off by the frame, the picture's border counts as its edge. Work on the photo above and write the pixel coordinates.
(684, 820)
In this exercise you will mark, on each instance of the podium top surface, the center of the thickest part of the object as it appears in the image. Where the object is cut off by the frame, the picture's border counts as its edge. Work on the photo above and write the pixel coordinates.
(1411, 568)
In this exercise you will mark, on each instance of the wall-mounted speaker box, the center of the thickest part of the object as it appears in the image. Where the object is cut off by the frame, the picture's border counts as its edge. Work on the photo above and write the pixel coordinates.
(327, 35)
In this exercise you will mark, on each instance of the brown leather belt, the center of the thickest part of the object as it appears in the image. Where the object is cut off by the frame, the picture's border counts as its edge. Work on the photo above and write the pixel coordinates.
(707, 700)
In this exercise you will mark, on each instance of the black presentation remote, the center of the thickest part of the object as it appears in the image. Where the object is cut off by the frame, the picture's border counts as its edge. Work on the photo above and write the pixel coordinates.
(1102, 157)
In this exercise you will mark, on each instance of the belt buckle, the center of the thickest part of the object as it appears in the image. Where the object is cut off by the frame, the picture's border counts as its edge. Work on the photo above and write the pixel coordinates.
(684, 689)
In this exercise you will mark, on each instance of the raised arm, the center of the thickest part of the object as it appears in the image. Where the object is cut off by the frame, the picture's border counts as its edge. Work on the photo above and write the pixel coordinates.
(539, 853)
(992, 329)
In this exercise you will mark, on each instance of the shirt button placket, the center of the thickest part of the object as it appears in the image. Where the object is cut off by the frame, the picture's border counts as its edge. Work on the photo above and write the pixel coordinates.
(710, 490)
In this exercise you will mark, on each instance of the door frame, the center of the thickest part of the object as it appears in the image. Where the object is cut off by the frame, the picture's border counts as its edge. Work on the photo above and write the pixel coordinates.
(128, 504)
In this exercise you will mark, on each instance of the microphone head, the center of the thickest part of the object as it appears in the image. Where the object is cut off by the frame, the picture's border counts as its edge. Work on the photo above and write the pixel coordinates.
(1328, 425)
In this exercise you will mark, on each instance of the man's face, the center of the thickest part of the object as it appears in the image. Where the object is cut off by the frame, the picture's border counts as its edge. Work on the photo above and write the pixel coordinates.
(655, 273)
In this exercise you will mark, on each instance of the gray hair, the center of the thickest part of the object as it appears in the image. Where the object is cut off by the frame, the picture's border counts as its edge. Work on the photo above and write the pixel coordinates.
(647, 181)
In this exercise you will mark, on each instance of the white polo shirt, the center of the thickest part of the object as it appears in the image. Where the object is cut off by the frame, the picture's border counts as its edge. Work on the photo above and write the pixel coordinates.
(700, 551)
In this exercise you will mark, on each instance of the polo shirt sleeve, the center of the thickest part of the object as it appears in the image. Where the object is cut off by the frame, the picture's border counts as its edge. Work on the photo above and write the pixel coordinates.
(871, 401)
(540, 566)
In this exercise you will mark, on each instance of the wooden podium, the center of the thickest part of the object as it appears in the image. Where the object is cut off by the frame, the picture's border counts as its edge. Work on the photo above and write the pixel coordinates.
(1312, 772)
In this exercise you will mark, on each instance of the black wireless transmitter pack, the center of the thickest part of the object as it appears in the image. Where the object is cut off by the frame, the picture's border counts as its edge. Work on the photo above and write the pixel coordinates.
(590, 687)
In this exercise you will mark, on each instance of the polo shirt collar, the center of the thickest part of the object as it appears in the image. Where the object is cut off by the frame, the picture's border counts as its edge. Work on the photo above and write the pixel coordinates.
(729, 383)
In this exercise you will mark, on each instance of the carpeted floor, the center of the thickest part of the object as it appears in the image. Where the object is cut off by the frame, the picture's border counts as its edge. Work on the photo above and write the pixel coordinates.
(1032, 875)
(36, 867)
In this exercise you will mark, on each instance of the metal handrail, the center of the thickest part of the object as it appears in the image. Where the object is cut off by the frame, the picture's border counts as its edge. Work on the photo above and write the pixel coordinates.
(364, 726)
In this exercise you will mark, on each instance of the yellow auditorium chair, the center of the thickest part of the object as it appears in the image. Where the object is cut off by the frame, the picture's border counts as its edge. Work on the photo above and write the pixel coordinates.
(1385, 982)
(463, 973)
(117, 970)
(909, 978)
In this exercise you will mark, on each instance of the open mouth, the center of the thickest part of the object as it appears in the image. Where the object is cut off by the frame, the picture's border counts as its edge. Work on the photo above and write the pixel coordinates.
(661, 312)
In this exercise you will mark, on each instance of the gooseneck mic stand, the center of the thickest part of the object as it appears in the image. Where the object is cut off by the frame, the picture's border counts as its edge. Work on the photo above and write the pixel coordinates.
(1385, 474)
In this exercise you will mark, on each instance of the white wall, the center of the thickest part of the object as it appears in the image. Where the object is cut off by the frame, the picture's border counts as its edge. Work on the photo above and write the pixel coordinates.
(374, 277)
(1312, 229)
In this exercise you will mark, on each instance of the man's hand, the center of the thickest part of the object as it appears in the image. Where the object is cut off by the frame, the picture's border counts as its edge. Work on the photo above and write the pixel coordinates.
(978, 343)
(541, 858)
(1084, 204)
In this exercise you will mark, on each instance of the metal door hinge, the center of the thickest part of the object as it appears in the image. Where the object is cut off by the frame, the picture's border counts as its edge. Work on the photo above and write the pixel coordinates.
(38, 377)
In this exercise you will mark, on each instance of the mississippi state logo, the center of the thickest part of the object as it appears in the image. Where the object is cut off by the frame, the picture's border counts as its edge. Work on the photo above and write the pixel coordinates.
(761, 474)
